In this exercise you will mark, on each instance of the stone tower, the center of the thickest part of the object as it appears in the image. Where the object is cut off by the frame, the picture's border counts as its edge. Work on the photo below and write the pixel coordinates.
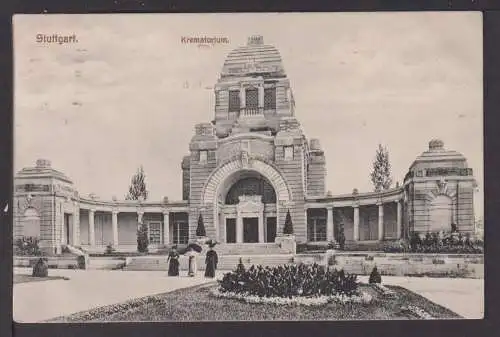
(253, 140)
(439, 190)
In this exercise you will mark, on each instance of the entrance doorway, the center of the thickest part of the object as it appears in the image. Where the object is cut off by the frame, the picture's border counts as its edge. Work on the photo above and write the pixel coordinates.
(250, 230)
(271, 229)
(230, 230)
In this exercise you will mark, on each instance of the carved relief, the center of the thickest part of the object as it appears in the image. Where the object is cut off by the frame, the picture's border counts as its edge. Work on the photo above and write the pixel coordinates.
(250, 204)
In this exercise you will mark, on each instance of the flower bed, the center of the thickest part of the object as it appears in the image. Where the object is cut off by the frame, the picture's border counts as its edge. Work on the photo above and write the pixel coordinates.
(451, 243)
(417, 312)
(383, 290)
(363, 298)
(289, 281)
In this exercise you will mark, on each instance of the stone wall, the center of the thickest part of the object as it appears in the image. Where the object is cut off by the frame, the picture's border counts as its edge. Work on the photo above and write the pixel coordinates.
(437, 265)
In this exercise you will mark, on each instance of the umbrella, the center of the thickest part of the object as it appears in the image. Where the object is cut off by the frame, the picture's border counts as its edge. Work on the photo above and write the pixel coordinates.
(211, 243)
(194, 246)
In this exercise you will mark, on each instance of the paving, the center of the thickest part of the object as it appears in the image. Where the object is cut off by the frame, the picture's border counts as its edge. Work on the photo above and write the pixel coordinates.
(462, 296)
(87, 289)
(38, 301)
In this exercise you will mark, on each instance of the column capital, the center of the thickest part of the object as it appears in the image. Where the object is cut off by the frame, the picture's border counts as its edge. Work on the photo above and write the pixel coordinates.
(92, 210)
(115, 212)
(355, 205)
(166, 212)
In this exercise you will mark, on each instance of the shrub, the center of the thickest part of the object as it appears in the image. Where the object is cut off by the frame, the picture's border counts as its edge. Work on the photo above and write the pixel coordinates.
(289, 281)
(200, 230)
(375, 276)
(110, 249)
(341, 239)
(142, 239)
(288, 229)
(41, 268)
(81, 261)
(27, 246)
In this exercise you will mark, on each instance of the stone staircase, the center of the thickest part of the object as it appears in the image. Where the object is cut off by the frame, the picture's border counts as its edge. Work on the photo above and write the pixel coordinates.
(223, 249)
(226, 262)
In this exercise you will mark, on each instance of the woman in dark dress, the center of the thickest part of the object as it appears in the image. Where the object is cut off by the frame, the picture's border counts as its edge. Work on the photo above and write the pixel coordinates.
(211, 261)
(173, 262)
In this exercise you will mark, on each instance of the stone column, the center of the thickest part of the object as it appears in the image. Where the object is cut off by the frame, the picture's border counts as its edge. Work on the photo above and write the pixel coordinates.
(398, 223)
(356, 223)
(261, 227)
(63, 230)
(380, 221)
(91, 228)
(261, 97)
(139, 218)
(239, 229)
(330, 236)
(114, 224)
(242, 97)
(76, 224)
(166, 227)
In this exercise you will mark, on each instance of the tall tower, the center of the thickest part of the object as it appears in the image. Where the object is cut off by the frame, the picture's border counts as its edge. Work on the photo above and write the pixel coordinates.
(253, 154)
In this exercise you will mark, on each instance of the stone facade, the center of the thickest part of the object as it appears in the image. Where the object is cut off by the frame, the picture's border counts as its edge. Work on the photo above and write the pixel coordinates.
(244, 172)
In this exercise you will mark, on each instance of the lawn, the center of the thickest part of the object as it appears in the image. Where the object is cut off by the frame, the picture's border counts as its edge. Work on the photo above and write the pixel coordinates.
(197, 304)
(19, 278)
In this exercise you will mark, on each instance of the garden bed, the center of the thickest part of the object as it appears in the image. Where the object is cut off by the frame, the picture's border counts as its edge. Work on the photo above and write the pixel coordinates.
(197, 304)
(20, 278)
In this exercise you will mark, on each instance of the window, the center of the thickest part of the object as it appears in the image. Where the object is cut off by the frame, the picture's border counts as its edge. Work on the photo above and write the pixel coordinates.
(155, 233)
(316, 228)
(234, 101)
(252, 98)
(270, 98)
(181, 232)
(203, 156)
(288, 152)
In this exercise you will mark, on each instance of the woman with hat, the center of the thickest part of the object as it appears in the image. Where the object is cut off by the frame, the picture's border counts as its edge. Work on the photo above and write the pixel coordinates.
(211, 260)
(173, 262)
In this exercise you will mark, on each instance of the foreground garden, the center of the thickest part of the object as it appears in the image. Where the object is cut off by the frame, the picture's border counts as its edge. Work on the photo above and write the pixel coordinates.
(289, 292)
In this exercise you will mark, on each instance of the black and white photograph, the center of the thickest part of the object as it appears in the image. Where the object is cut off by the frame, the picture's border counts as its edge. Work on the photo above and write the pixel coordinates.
(248, 167)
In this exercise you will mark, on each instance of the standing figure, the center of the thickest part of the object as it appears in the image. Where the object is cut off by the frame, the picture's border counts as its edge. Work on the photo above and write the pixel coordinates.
(173, 262)
(211, 261)
(191, 254)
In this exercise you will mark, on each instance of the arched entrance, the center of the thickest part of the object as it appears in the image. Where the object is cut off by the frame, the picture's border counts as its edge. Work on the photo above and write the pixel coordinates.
(247, 208)
(250, 198)
(31, 223)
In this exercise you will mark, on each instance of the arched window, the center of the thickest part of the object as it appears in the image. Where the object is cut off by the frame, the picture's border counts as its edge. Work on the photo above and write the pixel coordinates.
(440, 214)
(31, 223)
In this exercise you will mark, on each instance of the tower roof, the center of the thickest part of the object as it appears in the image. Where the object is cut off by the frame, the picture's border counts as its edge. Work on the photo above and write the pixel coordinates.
(436, 155)
(43, 168)
(253, 58)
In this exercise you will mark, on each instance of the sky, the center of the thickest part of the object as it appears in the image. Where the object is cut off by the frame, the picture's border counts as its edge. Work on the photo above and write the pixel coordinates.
(129, 93)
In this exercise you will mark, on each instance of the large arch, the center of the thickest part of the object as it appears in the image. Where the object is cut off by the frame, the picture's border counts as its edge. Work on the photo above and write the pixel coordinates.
(219, 178)
(441, 213)
(31, 223)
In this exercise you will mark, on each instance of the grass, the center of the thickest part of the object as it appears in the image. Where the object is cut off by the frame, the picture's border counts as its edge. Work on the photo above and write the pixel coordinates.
(19, 278)
(196, 304)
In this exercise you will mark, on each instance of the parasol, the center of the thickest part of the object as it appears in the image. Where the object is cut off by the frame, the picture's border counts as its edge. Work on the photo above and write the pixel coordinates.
(194, 246)
(211, 243)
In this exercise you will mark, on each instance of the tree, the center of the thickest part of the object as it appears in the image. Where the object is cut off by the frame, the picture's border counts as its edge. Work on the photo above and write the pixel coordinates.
(142, 239)
(381, 174)
(288, 229)
(200, 230)
(137, 187)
